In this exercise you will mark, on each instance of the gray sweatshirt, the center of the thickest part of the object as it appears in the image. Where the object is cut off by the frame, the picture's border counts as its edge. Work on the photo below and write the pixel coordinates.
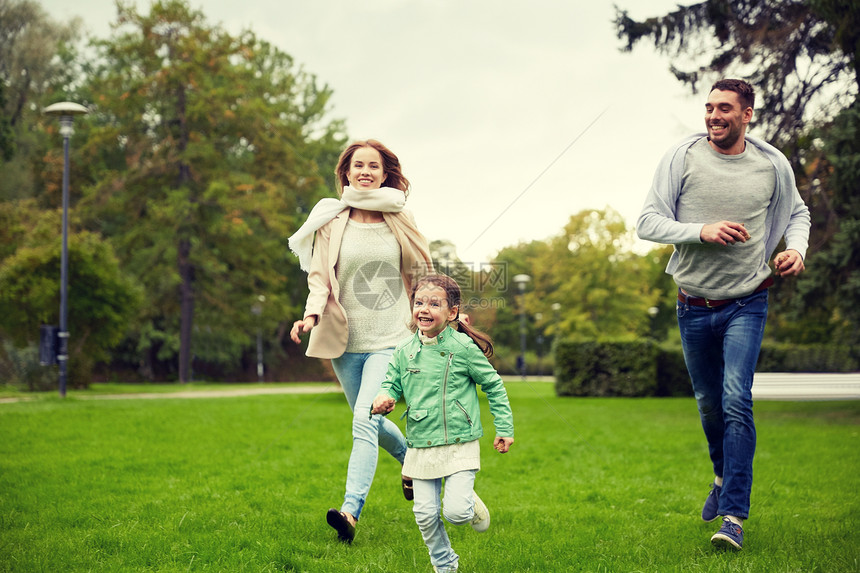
(680, 202)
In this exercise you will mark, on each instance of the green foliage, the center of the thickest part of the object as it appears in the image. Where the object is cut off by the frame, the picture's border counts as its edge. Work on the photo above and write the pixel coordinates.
(672, 376)
(102, 300)
(783, 357)
(591, 368)
(20, 368)
(586, 283)
(204, 155)
(504, 360)
(643, 368)
(35, 68)
(590, 270)
(773, 44)
(825, 305)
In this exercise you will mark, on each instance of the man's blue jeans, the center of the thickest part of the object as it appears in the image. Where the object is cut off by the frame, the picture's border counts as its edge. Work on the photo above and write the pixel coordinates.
(361, 376)
(721, 348)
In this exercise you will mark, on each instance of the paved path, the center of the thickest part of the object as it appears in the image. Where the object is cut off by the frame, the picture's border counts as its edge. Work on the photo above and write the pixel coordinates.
(806, 386)
(226, 393)
(766, 386)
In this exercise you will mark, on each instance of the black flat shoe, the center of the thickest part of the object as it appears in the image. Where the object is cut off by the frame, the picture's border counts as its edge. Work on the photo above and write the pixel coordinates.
(345, 530)
(406, 483)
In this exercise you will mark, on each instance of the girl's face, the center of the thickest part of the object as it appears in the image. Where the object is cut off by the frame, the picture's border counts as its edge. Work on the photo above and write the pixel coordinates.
(430, 310)
(365, 169)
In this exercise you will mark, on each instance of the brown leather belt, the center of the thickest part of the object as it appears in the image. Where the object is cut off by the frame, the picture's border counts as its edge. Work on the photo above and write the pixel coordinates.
(711, 303)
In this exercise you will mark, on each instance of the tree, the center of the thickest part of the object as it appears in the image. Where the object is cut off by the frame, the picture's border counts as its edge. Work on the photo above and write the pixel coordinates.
(827, 305)
(591, 271)
(801, 54)
(102, 299)
(586, 283)
(34, 62)
(202, 159)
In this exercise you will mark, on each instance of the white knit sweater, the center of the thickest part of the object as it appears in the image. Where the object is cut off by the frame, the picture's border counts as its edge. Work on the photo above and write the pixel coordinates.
(372, 291)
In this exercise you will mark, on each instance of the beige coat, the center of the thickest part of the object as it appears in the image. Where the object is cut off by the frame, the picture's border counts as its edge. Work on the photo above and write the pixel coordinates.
(329, 337)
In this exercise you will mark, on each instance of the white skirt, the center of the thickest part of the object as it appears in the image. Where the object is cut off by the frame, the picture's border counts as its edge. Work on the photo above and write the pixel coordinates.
(442, 461)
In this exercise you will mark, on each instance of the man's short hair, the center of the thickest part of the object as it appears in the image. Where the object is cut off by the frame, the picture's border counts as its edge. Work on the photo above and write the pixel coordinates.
(746, 93)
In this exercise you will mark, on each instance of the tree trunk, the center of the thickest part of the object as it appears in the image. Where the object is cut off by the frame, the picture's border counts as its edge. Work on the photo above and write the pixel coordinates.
(186, 267)
(186, 312)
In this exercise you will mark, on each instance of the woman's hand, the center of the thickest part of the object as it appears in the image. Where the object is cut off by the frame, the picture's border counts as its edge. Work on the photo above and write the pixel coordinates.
(502, 445)
(382, 405)
(301, 327)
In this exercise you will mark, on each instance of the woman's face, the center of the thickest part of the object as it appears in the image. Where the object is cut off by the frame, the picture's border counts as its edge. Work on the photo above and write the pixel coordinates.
(365, 169)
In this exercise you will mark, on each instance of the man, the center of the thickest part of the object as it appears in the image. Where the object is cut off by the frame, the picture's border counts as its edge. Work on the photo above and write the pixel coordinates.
(725, 200)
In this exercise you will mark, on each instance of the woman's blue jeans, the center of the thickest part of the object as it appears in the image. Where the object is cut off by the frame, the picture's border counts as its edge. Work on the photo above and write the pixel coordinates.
(361, 376)
(721, 348)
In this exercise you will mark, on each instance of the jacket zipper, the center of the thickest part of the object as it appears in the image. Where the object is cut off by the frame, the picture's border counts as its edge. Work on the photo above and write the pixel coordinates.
(465, 413)
(445, 395)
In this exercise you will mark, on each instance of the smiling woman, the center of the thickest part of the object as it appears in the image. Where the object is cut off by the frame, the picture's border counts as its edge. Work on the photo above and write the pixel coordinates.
(366, 254)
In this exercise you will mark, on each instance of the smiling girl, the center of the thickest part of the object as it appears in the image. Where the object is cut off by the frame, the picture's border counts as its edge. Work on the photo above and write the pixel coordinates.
(437, 371)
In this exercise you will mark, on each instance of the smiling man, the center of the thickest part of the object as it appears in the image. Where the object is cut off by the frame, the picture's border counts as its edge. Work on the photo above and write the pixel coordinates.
(724, 200)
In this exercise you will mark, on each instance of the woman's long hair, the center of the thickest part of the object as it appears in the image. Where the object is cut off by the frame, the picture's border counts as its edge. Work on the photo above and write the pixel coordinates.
(454, 298)
(390, 165)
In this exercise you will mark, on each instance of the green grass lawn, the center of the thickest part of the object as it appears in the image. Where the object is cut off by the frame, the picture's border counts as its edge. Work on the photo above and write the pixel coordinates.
(243, 483)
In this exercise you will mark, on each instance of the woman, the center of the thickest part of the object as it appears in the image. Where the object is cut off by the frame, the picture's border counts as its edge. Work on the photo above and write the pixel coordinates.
(366, 254)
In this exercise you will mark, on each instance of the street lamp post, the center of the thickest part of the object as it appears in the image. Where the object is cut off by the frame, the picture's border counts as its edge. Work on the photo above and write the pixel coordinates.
(65, 111)
(653, 311)
(520, 281)
(257, 309)
(539, 340)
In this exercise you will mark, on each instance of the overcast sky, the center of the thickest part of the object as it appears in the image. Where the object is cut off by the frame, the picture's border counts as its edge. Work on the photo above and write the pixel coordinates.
(508, 116)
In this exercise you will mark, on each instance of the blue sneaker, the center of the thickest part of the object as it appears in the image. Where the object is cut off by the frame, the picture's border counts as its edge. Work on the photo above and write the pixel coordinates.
(712, 504)
(730, 535)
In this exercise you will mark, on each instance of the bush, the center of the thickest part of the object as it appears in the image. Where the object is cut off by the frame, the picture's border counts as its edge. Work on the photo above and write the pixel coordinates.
(783, 357)
(642, 368)
(672, 376)
(20, 368)
(504, 360)
(620, 368)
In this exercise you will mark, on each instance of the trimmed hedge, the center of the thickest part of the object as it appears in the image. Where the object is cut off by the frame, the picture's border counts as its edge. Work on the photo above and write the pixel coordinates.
(594, 368)
(644, 368)
(782, 357)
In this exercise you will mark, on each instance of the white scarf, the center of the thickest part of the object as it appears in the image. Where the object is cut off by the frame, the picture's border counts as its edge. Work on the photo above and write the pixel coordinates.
(384, 199)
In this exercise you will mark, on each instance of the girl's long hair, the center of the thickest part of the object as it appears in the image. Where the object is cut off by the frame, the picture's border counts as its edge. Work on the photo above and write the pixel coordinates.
(454, 298)
(390, 165)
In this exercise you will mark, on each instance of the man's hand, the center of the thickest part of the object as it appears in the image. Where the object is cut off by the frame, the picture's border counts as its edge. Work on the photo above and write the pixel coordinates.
(724, 233)
(502, 445)
(788, 263)
(382, 405)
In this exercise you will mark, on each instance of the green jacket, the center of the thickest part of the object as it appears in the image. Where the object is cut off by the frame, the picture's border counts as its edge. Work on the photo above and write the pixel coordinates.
(439, 385)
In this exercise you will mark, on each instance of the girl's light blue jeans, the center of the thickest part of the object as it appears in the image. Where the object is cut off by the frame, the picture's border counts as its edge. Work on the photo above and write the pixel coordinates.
(361, 376)
(721, 348)
(459, 508)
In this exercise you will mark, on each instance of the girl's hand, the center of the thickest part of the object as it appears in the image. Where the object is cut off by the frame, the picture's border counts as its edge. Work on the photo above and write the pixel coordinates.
(301, 327)
(502, 445)
(382, 405)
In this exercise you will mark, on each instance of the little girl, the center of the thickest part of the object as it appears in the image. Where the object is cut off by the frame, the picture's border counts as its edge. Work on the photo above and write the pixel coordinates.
(437, 371)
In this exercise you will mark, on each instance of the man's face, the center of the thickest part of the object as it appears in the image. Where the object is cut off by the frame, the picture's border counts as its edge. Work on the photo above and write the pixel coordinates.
(726, 121)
